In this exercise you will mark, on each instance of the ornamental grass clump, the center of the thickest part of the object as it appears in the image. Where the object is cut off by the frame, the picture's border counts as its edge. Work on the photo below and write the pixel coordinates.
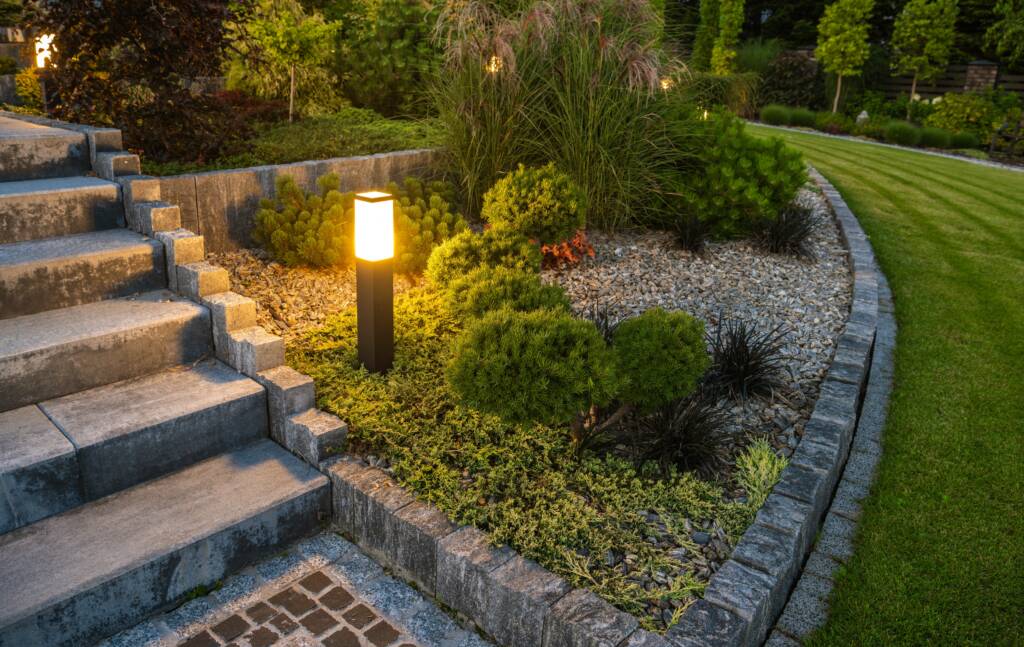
(689, 433)
(542, 203)
(802, 117)
(532, 367)
(776, 115)
(745, 361)
(660, 356)
(935, 138)
(467, 251)
(789, 232)
(487, 289)
(902, 133)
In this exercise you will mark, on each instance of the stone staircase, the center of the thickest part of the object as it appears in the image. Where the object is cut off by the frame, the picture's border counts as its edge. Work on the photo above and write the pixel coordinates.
(139, 402)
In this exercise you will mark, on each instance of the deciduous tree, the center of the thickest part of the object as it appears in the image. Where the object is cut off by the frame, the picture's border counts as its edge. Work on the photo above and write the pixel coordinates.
(843, 40)
(923, 39)
(1007, 35)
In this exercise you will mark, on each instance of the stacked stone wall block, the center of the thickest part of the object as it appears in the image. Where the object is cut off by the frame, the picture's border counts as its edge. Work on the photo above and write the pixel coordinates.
(582, 619)
(150, 217)
(181, 247)
(115, 164)
(135, 189)
(201, 279)
(314, 435)
(251, 351)
(288, 393)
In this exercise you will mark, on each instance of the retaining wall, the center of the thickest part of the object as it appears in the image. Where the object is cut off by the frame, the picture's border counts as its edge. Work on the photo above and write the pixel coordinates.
(221, 205)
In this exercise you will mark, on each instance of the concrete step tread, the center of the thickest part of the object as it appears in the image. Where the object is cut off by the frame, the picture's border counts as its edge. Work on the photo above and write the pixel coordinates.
(28, 437)
(18, 129)
(109, 242)
(100, 414)
(54, 327)
(74, 552)
(55, 184)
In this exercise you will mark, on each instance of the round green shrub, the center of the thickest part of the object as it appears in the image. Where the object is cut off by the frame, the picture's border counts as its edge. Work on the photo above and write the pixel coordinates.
(487, 289)
(802, 117)
(542, 366)
(495, 247)
(542, 203)
(775, 115)
(935, 138)
(659, 356)
(8, 65)
(902, 133)
(963, 140)
(833, 122)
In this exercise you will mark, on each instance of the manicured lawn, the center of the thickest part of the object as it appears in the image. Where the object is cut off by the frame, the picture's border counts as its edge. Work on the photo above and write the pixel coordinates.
(940, 552)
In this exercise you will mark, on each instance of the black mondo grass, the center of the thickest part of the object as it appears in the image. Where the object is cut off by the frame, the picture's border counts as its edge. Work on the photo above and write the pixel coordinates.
(789, 232)
(690, 433)
(745, 361)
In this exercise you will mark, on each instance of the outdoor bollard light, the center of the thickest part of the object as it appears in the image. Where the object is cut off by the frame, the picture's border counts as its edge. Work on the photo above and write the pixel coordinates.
(44, 50)
(375, 251)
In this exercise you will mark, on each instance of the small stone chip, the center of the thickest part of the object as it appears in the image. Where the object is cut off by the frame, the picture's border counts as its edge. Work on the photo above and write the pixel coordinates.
(343, 638)
(359, 616)
(284, 624)
(315, 582)
(260, 612)
(202, 639)
(382, 634)
(336, 599)
(231, 628)
(262, 637)
(318, 622)
(294, 602)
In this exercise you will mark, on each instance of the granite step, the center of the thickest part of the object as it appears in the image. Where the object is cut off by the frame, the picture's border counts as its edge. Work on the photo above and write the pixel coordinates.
(77, 577)
(53, 273)
(50, 207)
(32, 151)
(132, 431)
(54, 353)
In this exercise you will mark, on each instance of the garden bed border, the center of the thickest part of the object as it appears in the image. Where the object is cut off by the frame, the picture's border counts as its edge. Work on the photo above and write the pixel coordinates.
(517, 602)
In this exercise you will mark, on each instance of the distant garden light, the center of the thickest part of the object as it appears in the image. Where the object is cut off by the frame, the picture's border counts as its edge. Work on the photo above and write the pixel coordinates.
(667, 83)
(375, 251)
(44, 49)
(494, 64)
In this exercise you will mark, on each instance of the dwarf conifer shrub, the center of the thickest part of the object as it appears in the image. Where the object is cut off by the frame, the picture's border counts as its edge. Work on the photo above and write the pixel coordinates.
(317, 228)
(542, 203)
(775, 115)
(659, 356)
(492, 288)
(935, 138)
(743, 179)
(299, 228)
(423, 219)
(467, 251)
(902, 133)
(542, 366)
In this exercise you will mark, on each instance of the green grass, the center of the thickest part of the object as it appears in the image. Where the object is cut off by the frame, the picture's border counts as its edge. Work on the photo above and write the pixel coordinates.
(351, 131)
(940, 552)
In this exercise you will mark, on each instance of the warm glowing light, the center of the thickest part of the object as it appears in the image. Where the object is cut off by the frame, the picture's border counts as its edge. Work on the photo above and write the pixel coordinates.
(666, 84)
(494, 65)
(44, 49)
(705, 115)
(375, 226)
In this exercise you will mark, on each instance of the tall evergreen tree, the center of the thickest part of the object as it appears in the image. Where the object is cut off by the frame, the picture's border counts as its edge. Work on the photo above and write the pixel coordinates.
(730, 22)
(707, 33)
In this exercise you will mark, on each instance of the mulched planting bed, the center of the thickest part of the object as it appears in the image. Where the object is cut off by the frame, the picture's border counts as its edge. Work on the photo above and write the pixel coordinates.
(645, 540)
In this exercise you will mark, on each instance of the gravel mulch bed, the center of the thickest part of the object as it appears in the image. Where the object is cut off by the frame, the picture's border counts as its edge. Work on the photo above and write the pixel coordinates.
(631, 272)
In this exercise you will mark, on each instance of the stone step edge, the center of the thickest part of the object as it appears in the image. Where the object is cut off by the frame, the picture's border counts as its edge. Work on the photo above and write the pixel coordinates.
(99, 139)
(295, 422)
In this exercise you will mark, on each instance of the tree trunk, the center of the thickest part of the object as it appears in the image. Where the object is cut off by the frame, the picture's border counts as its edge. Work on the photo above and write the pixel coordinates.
(839, 91)
(291, 97)
(913, 91)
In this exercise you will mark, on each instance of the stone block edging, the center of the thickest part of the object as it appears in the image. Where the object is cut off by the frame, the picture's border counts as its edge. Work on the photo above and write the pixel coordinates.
(517, 602)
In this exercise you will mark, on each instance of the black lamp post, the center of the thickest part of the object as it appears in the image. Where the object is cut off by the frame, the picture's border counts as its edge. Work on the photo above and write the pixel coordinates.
(375, 251)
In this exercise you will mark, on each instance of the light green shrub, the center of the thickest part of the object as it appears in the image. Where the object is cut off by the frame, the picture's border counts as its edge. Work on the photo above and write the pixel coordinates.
(527, 367)
(487, 289)
(742, 179)
(659, 356)
(980, 113)
(28, 89)
(467, 251)
(542, 203)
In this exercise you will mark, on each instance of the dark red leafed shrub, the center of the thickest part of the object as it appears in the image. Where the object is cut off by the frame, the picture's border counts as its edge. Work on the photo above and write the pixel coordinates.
(250, 109)
(568, 252)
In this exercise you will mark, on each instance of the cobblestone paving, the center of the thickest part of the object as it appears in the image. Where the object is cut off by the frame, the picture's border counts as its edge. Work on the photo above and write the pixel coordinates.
(322, 592)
